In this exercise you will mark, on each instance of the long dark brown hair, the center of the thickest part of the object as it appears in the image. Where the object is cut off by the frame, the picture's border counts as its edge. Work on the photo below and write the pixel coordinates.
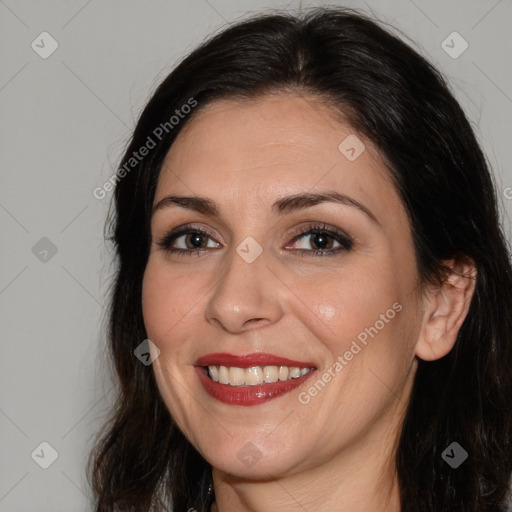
(395, 97)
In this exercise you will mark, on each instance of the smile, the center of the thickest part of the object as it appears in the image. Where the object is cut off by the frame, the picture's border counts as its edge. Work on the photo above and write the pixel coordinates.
(247, 380)
(255, 375)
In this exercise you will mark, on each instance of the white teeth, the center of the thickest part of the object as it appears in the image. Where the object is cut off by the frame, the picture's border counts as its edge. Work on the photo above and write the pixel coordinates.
(214, 373)
(223, 375)
(294, 372)
(254, 375)
(270, 373)
(236, 376)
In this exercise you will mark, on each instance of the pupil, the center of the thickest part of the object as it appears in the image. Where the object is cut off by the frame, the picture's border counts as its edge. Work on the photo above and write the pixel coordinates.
(196, 239)
(321, 239)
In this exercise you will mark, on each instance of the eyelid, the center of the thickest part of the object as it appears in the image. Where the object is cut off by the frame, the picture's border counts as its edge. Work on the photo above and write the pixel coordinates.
(307, 226)
(185, 228)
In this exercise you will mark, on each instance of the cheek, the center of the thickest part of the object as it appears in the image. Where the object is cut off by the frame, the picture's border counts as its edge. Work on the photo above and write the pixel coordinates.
(166, 303)
(353, 306)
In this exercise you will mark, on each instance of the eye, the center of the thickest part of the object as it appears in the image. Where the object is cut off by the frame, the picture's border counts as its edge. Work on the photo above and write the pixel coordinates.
(323, 240)
(193, 240)
(194, 237)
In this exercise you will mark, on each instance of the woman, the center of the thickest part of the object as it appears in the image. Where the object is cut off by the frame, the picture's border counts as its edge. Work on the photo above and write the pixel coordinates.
(313, 278)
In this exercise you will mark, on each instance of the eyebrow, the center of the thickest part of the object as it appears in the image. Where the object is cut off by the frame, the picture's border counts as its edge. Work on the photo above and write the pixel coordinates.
(282, 206)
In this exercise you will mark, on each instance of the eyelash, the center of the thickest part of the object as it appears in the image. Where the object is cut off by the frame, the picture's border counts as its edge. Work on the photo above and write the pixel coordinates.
(345, 241)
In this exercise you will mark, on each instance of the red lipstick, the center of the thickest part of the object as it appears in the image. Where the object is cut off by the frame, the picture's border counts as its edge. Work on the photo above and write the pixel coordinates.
(256, 359)
(249, 395)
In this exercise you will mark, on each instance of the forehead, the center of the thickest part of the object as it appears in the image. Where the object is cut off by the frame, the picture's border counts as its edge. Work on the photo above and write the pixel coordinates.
(297, 123)
(270, 144)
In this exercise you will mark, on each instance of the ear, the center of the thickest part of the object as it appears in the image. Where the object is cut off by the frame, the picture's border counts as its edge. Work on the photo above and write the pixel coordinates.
(445, 309)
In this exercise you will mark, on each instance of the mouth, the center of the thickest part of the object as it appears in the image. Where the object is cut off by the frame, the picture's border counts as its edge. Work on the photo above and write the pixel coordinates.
(252, 379)
(254, 375)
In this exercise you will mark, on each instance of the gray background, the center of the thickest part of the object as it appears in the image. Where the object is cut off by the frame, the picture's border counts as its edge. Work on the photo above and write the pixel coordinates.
(64, 121)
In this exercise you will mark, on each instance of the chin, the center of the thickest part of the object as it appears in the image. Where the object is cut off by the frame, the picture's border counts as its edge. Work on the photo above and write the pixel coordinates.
(243, 458)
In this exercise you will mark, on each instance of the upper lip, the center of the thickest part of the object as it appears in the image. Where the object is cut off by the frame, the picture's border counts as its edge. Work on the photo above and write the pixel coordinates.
(248, 360)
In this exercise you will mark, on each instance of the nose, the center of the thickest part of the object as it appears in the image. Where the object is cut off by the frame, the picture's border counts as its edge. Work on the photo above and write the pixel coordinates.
(245, 295)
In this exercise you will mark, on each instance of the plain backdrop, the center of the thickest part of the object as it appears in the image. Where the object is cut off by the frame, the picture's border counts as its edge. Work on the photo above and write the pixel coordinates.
(64, 120)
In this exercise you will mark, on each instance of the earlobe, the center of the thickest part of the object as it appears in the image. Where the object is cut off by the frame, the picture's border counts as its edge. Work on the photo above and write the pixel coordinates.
(446, 308)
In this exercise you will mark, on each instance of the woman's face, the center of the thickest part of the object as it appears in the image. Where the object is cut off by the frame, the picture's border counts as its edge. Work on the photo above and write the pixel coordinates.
(256, 282)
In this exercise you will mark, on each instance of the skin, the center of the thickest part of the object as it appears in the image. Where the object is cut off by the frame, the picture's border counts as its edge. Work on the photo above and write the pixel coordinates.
(337, 451)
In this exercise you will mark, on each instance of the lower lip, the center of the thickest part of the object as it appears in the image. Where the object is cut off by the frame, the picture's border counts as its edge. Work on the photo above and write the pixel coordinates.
(248, 395)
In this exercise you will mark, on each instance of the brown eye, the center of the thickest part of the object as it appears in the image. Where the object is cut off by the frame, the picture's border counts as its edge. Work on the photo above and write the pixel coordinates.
(323, 241)
(194, 240)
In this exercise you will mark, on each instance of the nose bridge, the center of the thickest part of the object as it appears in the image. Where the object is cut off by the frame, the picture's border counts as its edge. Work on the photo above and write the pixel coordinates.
(244, 289)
